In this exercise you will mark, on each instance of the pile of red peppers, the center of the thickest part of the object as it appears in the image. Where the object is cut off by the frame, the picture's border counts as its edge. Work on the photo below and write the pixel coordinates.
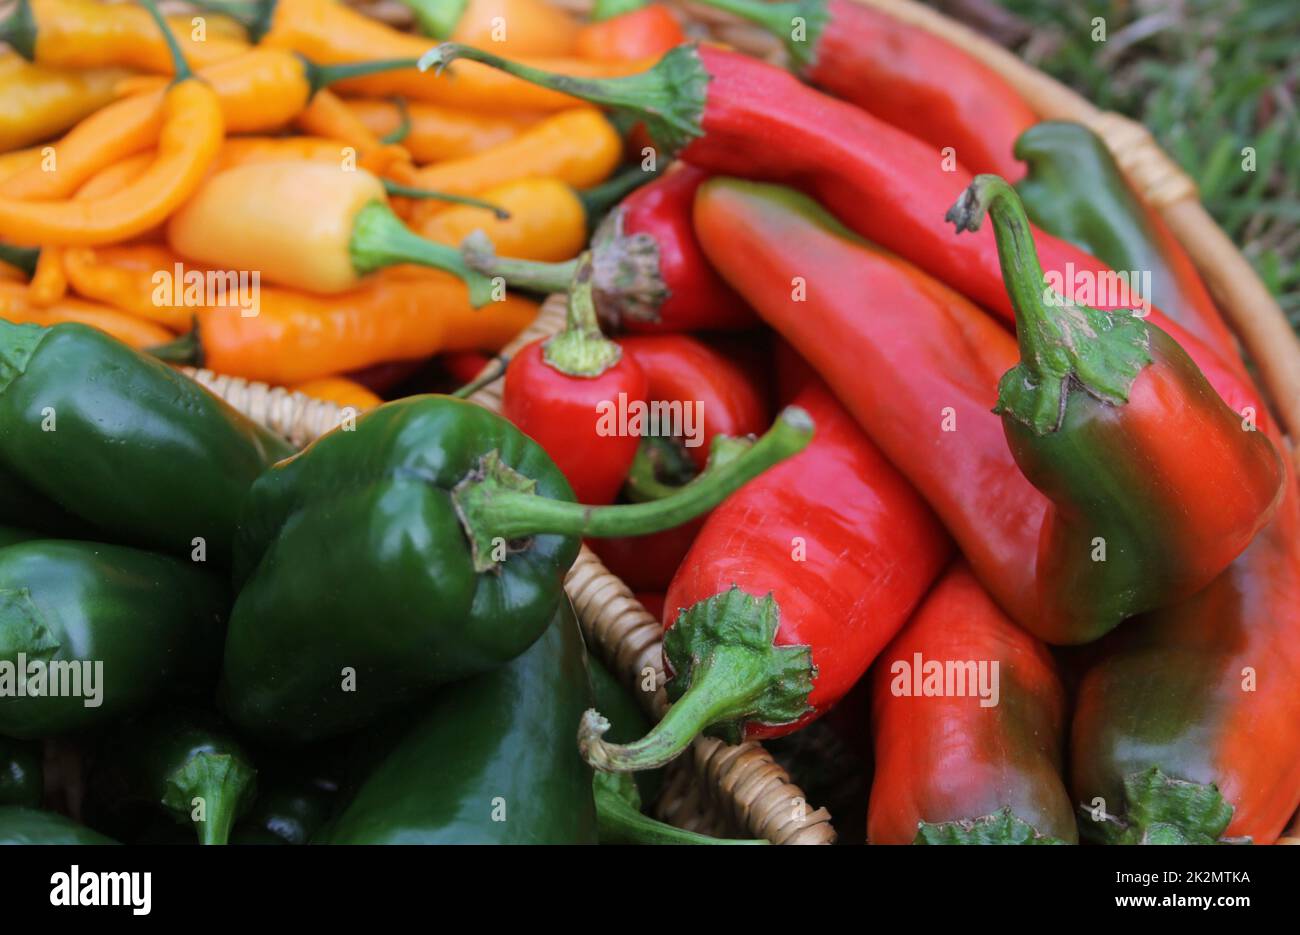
(1047, 526)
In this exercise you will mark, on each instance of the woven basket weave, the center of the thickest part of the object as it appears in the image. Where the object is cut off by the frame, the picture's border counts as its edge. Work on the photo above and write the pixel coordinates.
(740, 790)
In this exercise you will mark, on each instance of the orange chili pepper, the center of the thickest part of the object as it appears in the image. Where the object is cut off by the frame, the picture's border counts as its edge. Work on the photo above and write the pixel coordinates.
(296, 337)
(327, 116)
(15, 307)
(91, 34)
(578, 147)
(259, 92)
(134, 278)
(248, 150)
(37, 101)
(341, 391)
(191, 134)
(512, 27)
(329, 32)
(638, 34)
(113, 178)
(49, 283)
(434, 133)
(547, 222)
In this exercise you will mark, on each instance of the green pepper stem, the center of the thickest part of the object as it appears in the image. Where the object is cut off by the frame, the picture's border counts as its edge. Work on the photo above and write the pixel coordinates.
(23, 258)
(437, 18)
(186, 349)
(580, 350)
(408, 191)
(181, 66)
(668, 98)
(497, 504)
(643, 483)
(254, 15)
(1102, 353)
(597, 201)
(494, 371)
(727, 671)
(618, 822)
(19, 30)
(403, 129)
(480, 256)
(778, 19)
(380, 239)
(225, 784)
(608, 9)
(320, 76)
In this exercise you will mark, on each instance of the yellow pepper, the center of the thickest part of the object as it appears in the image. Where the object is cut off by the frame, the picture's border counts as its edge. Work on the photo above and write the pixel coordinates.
(38, 102)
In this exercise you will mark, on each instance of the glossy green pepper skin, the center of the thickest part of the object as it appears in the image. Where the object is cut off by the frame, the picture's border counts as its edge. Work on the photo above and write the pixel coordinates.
(181, 764)
(354, 557)
(144, 624)
(123, 441)
(1074, 190)
(22, 776)
(294, 801)
(491, 760)
(20, 825)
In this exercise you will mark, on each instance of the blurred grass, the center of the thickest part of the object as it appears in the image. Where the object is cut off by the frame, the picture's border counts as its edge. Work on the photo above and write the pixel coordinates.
(1207, 77)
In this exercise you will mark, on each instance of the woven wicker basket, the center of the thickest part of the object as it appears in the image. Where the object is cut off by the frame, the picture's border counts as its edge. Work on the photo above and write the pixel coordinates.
(740, 790)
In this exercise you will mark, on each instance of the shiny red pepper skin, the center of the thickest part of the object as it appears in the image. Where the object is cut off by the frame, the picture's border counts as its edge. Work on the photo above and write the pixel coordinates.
(951, 769)
(698, 299)
(732, 114)
(918, 367)
(902, 74)
(680, 368)
(792, 587)
(648, 563)
(563, 414)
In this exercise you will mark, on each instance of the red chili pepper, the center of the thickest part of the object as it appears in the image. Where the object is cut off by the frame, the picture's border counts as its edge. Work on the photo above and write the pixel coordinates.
(919, 366)
(653, 602)
(650, 273)
(1187, 729)
(464, 366)
(793, 586)
(969, 720)
(638, 34)
(729, 113)
(902, 74)
(565, 393)
(648, 562)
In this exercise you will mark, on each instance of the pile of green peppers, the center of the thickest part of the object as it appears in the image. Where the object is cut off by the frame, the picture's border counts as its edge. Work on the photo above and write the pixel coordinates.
(366, 641)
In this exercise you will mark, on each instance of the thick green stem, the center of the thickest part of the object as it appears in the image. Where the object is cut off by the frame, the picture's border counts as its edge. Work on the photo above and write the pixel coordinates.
(223, 782)
(480, 256)
(321, 76)
(437, 18)
(403, 129)
(408, 191)
(496, 503)
(23, 258)
(580, 350)
(619, 821)
(1062, 344)
(652, 459)
(380, 239)
(181, 66)
(668, 99)
(798, 24)
(727, 671)
(19, 30)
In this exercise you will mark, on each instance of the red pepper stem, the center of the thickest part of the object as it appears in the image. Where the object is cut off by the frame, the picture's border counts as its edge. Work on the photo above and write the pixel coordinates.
(1062, 343)
(781, 20)
(19, 30)
(728, 671)
(181, 66)
(380, 239)
(498, 505)
(668, 98)
(580, 350)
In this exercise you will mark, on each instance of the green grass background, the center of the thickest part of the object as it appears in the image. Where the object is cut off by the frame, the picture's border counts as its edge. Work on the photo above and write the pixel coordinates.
(1208, 77)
